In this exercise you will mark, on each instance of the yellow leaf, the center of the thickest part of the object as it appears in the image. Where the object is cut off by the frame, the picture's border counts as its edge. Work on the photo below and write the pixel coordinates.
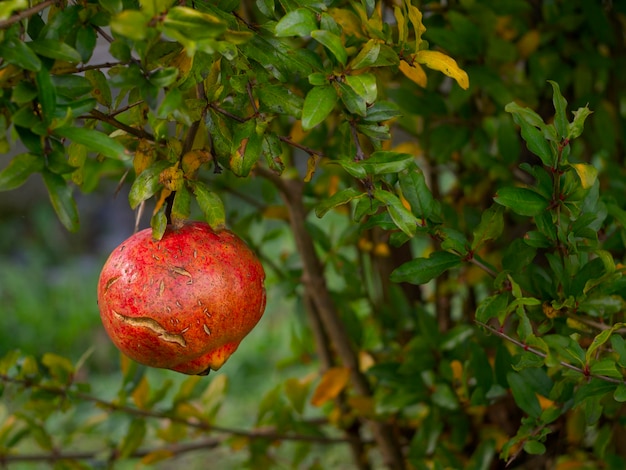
(347, 20)
(403, 30)
(366, 360)
(438, 61)
(144, 156)
(311, 166)
(193, 160)
(363, 406)
(414, 72)
(333, 382)
(415, 16)
(587, 174)
(157, 456)
(528, 43)
(172, 178)
(141, 392)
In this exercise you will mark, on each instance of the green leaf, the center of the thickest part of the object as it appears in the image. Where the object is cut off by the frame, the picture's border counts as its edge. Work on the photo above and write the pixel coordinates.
(55, 49)
(62, 200)
(246, 148)
(188, 24)
(536, 142)
(534, 448)
(490, 227)
(522, 201)
(158, 223)
(210, 204)
(524, 394)
(16, 52)
(422, 270)
(600, 340)
(331, 42)
(379, 163)
(163, 77)
(46, 93)
(100, 87)
(131, 24)
(147, 183)
(400, 215)
(93, 140)
(367, 56)
(339, 198)
(318, 104)
(19, 169)
(578, 124)
(560, 106)
(620, 393)
(354, 103)
(181, 207)
(134, 438)
(298, 22)
(416, 192)
(606, 367)
(364, 85)
(492, 307)
(280, 99)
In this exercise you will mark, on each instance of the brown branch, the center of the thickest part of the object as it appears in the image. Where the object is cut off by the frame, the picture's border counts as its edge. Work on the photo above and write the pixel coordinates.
(100, 116)
(194, 422)
(174, 449)
(319, 295)
(22, 15)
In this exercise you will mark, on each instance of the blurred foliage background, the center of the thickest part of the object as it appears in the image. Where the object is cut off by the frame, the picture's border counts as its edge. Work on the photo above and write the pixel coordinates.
(426, 359)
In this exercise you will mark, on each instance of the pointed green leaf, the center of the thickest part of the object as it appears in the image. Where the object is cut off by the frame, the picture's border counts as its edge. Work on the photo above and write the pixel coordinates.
(354, 103)
(318, 104)
(364, 85)
(16, 52)
(298, 22)
(600, 340)
(158, 223)
(522, 201)
(331, 42)
(560, 106)
(280, 99)
(131, 24)
(400, 215)
(379, 163)
(100, 87)
(55, 49)
(577, 125)
(417, 193)
(367, 56)
(19, 169)
(46, 94)
(524, 394)
(536, 142)
(422, 270)
(490, 227)
(93, 140)
(62, 200)
(339, 198)
(210, 204)
(246, 148)
(147, 183)
(605, 367)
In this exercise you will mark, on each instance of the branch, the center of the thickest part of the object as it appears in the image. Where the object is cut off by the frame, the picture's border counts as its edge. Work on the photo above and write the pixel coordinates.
(193, 422)
(317, 291)
(539, 353)
(99, 115)
(22, 15)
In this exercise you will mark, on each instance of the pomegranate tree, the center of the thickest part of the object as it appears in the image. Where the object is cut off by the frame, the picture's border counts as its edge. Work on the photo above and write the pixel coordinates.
(184, 302)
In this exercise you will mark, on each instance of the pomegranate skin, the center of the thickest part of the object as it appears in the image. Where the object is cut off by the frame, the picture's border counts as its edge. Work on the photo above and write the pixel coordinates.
(184, 302)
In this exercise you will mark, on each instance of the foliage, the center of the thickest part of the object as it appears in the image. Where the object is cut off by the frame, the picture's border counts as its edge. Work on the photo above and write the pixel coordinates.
(486, 324)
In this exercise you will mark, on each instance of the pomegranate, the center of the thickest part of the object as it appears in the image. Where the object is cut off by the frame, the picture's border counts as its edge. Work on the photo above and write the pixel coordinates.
(184, 302)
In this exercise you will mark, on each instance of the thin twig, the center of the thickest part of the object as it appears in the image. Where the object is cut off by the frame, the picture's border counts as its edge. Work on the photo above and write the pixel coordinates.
(539, 353)
(194, 422)
(99, 115)
(22, 15)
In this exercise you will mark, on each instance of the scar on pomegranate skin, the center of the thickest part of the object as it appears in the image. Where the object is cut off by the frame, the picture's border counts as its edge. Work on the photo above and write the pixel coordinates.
(207, 330)
(182, 272)
(110, 282)
(145, 322)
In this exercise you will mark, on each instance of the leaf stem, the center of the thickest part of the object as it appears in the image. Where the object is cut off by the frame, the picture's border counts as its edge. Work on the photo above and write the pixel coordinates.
(22, 15)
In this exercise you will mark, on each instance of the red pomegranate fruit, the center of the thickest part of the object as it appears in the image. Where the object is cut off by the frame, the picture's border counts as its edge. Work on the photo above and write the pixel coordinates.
(184, 302)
